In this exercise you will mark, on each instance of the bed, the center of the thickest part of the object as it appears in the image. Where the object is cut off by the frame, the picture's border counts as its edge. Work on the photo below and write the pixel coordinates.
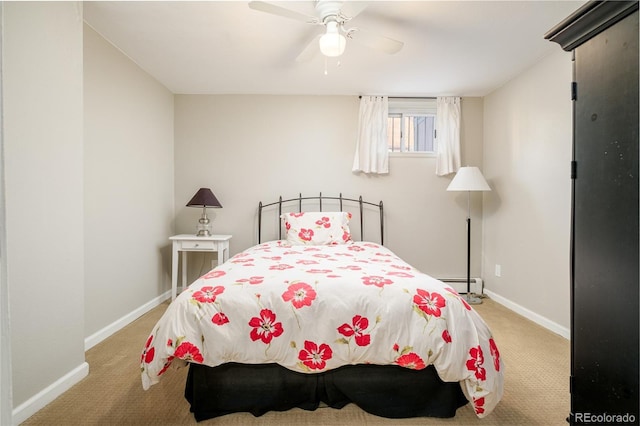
(314, 317)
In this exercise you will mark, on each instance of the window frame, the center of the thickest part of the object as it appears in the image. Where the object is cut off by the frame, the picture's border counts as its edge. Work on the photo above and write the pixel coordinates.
(414, 107)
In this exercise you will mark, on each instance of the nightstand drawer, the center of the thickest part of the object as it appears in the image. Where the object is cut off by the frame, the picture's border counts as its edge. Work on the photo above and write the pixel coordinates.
(197, 245)
(185, 243)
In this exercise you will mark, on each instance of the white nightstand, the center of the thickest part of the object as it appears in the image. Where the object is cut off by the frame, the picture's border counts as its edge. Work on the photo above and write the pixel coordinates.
(186, 243)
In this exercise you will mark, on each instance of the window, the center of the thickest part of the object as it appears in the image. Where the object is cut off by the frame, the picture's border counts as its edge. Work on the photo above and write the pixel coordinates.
(411, 125)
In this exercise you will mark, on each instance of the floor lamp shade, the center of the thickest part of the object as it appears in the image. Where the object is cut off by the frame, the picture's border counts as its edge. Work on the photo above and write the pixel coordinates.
(204, 198)
(469, 179)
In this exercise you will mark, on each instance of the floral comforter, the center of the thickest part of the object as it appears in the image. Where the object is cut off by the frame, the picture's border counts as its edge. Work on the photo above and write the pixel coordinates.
(316, 308)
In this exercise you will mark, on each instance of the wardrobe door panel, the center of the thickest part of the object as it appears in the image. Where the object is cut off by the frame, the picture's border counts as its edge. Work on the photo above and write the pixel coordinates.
(605, 279)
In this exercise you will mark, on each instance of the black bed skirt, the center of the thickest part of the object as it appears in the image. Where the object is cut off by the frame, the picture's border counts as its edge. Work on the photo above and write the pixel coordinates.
(386, 391)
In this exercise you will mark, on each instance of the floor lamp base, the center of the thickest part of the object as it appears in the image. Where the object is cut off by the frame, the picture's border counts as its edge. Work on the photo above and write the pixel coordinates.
(472, 300)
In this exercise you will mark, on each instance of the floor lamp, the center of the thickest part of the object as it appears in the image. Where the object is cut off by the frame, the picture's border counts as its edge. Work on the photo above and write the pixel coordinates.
(469, 179)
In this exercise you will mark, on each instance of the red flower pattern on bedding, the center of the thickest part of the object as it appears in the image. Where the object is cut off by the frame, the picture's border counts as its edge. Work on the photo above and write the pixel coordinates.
(299, 294)
(324, 222)
(208, 294)
(402, 267)
(319, 271)
(478, 405)
(495, 353)
(376, 281)
(166, 365)
(306, 234)
(219, 319)
(252, 280)
(148, 352)
(295, 303)
(464, 302)
(246, 261)
(429, 303)
(216, 273)
(280, 267)
(474, 363)
(411, 360)
(357, 329)
(187, 351)
(352, 267)
(315, 357)
(265, 327)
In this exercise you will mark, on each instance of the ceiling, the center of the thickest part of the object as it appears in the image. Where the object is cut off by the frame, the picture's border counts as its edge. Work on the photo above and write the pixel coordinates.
(462, 48)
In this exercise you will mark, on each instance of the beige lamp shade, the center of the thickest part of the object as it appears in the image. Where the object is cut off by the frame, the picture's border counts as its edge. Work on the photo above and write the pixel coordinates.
(468, 179)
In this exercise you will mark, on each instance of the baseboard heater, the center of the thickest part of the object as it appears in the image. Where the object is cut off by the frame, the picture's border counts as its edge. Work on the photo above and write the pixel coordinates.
(460, 284)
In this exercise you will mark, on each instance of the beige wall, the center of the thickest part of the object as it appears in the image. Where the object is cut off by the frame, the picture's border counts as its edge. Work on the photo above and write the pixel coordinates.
(128, 173)
(91, 210)
(42, 102)
(255, 148)
(527, 154)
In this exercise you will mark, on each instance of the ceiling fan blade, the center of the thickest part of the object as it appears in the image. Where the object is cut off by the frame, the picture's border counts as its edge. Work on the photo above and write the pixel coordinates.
(281, 11)
(310, 50)
(375, 41)
(352, 8)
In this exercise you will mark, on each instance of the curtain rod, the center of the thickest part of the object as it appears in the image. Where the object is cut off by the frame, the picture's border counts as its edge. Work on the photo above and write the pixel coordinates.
(407, 97)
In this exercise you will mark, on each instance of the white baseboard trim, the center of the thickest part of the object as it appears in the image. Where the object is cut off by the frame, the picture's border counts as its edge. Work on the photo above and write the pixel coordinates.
(460, 284)
(51, 392)
(537, 318)
(48, 394)
(107, 331)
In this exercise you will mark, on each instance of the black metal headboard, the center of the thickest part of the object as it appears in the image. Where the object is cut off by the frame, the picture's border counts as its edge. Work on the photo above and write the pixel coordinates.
(321, 197)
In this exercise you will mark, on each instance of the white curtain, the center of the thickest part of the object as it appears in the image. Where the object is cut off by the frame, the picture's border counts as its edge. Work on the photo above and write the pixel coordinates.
(448, 136)
(372, 149)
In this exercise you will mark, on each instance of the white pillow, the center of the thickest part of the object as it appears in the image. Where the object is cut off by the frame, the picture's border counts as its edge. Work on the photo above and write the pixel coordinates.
(317, 228)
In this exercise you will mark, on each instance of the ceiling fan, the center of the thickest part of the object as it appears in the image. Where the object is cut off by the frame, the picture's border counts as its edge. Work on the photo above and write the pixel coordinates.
(333, 15)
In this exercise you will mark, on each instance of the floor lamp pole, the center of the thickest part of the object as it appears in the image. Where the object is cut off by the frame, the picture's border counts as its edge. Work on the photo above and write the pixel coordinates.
(470, 299)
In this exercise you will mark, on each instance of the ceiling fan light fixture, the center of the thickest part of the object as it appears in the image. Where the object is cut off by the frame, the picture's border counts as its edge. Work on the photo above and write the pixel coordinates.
(332, 43)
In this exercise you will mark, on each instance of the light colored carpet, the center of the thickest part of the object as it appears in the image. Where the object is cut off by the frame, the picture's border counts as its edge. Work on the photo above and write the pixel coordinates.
(536, 385)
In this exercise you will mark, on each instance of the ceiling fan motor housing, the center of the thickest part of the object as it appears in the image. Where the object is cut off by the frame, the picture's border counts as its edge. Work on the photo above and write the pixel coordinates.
(329, 10)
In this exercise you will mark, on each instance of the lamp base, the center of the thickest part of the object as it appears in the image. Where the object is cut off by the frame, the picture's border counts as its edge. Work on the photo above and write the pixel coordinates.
(472, 299)
(204, 225)
(203, 233)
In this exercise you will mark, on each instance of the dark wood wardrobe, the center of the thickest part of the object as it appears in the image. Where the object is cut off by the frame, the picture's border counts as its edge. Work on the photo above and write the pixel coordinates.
(603, 37)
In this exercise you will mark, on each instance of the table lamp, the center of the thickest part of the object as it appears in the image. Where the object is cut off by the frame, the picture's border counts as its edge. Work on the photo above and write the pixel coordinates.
(204, 198)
